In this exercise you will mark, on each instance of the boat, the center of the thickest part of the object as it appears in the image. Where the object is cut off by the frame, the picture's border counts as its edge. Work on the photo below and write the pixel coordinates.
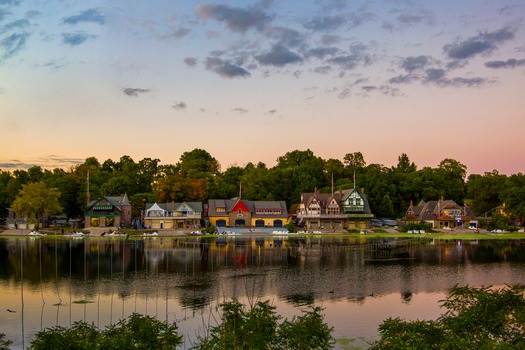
(155, 233)
(36, 233)
(75, 234)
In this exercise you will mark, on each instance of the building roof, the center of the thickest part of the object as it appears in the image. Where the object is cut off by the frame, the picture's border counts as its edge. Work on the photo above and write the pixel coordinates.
(252, 206)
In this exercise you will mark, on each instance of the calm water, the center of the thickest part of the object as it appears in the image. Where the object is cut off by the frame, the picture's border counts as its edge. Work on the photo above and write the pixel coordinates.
(53, 281)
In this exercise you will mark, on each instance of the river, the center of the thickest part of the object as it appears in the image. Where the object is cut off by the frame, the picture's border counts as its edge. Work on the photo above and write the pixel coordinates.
(359, 282)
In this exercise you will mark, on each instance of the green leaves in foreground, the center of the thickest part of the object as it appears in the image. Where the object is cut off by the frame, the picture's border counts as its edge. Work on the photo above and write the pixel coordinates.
(258, 328)
(476, 318)
(135, 332)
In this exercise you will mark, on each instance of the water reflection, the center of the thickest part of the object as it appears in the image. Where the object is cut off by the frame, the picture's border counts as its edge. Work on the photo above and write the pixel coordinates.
(360, 282)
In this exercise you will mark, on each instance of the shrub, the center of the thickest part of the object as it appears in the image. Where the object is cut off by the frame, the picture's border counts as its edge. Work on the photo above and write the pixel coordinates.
(258, 328)
(135, 332)
(476, 318)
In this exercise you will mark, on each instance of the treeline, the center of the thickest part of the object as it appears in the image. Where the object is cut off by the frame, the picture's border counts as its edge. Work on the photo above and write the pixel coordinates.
(198, 177)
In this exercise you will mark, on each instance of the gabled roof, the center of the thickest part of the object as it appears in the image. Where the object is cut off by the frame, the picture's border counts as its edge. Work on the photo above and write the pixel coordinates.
(116, 201)
(172, 206)
(229, 204)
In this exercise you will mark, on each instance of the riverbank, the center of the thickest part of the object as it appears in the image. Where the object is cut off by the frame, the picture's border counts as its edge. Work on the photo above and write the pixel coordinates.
(381, 233)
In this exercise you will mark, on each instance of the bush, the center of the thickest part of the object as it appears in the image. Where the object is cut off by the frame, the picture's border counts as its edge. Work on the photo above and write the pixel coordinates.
(135, 332)
(4, 344)
(477, 318)
(258, 328)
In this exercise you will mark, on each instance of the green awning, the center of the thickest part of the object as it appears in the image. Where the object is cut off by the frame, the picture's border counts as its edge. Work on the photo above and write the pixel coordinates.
(103, 207)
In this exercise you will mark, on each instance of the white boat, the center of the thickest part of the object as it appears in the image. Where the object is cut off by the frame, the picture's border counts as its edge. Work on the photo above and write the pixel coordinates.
(150, 234)
(35, 233)
(75, 234)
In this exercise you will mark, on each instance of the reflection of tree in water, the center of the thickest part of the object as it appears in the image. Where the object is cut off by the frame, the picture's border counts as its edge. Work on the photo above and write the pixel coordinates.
(300, 299)
(406, 297)
(194, 293)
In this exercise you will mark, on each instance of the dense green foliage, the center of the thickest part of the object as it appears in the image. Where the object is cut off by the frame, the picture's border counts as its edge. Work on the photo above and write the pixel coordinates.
(259, 328)
(135, 332)
(476, 318)
(198, 177)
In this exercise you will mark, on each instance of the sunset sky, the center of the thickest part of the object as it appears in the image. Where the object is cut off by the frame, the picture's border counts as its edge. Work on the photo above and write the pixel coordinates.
(249, 81)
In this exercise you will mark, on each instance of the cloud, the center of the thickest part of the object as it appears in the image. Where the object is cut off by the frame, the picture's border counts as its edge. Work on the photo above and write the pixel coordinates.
(323, 69)
(404, 79)
(346, 62)
(435, 74)
(178, 33)
(12, 44)
(134, 91)
(18, 24)
(225, 69)
(48, 162)
(87, 16)
(482, 43)
(321, 52)
(240, 110)
(76, 38)
(179, 105)
(278, 56)
(191, 61)
(413, 63)
(285, 36)
(510, 63)
(326, 23)
(237, 19)
(10, 2)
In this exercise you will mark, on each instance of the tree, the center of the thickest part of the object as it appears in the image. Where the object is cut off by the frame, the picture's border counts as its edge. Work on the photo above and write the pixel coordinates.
(476, 318)
(353, 162)
(513, 196)
(35, 200)
(386, 209)
(198, 164)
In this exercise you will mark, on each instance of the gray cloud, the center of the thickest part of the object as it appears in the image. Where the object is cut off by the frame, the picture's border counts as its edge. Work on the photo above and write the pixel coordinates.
(224, 68)
(191, 61)
(4, 14)
(237, 19)
(179, 105)
(49, 162)
(18, 24)
(87, 16)
(510, 63)
(346, 62)
(326, 23)
(404, 79)
(329, 39)
(10, 2)
(240, 110)
(413, 63)
(76, 38)
(285, 36)
(134, 91)
(321, 52)
(323, 69)
(12, 44)
(482, 43)
(278, 56)
(434, 74)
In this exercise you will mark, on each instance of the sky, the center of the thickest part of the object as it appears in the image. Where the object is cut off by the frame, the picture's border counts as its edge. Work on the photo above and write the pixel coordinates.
(249, 81)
